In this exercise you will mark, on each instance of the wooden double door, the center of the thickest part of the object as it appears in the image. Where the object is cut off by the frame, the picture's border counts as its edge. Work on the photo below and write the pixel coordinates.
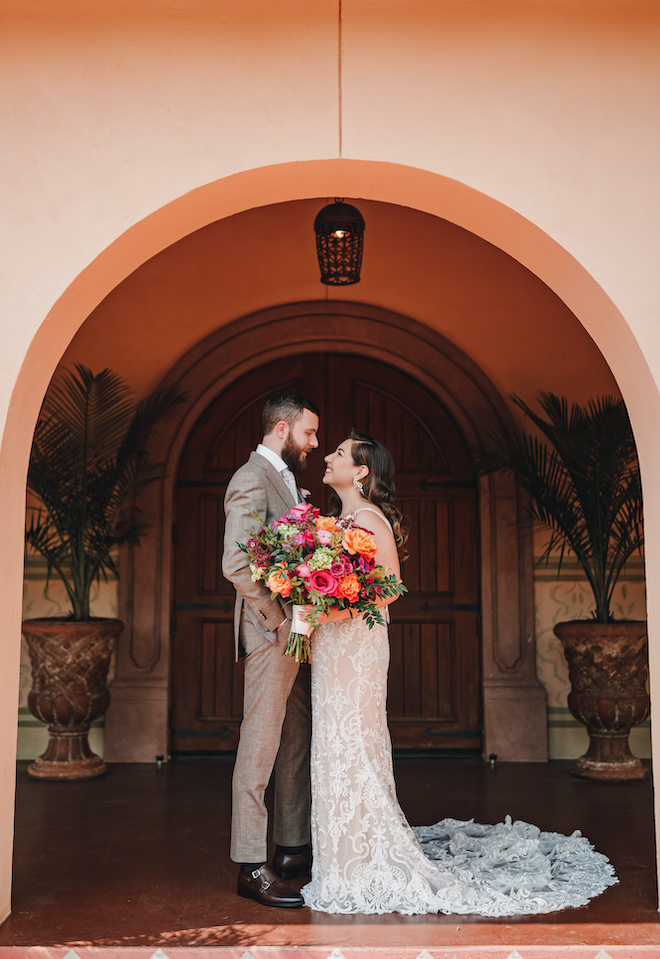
(434, 692)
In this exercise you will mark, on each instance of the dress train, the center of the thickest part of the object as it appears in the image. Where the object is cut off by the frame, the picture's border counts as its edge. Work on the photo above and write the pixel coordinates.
(368, 859)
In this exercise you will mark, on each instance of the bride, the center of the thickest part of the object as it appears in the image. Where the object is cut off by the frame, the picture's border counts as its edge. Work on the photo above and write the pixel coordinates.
(366, 857)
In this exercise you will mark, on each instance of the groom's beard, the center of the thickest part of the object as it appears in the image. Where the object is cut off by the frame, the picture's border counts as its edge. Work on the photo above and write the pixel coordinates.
(292, 454)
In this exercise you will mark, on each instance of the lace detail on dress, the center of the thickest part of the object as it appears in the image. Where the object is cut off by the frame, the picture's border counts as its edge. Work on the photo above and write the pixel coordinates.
(366, 857)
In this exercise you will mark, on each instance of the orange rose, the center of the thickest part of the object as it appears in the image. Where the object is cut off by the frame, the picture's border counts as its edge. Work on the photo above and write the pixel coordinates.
(359, 541)
(278, 580)
(326, 522)
(348, 587)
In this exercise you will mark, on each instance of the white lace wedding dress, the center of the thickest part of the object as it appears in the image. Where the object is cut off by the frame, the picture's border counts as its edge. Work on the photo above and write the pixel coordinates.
(367, 859)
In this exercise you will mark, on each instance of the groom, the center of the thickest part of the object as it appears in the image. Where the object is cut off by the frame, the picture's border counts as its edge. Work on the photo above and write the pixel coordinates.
(275, 731)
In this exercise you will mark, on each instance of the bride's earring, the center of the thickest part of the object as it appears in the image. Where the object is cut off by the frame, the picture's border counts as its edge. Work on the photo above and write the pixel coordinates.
(358, 485)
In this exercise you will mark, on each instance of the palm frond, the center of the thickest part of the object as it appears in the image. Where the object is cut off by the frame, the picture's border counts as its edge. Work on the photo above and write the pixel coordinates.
(89, 459)
(582, 476)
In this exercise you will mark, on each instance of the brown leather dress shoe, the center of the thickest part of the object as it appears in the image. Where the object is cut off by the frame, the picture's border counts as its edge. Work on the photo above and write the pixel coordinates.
(296, 866)
(264, 886)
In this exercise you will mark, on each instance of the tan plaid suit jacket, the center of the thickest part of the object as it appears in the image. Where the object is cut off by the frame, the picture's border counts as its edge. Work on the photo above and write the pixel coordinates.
(275, 731)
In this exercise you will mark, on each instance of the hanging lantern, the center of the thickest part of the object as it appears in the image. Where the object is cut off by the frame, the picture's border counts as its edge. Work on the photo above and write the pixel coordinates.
(339, 229)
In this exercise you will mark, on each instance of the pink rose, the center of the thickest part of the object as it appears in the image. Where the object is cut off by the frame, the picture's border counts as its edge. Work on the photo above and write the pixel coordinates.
(323, 582)
(301, 511)
(303, 570)
(324, 536)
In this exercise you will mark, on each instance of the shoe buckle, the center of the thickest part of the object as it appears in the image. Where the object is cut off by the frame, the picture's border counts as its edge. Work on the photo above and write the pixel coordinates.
(255, 873)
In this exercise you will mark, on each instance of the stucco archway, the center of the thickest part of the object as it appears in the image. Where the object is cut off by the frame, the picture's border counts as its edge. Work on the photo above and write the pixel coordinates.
(515, 724)
(393, 183)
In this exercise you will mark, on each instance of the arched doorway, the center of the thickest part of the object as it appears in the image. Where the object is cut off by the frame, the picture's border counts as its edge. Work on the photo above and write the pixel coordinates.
(514, 707)
(435, 688)
(552, 253)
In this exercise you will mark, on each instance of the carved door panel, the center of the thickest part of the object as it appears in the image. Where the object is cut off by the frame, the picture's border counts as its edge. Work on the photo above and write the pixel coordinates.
(207, 685)
(434, 689)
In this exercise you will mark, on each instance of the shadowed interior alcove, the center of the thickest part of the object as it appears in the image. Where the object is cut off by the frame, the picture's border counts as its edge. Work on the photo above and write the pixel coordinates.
(514, 709)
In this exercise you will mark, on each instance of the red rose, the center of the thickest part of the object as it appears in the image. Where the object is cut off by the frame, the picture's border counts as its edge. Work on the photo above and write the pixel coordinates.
(323, 582)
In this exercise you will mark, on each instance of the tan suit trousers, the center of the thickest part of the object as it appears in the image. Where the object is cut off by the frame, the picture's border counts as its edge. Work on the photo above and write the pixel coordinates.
(270, 718)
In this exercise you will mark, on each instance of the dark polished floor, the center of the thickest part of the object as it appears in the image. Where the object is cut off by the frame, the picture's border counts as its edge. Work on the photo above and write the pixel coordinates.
(140, 856)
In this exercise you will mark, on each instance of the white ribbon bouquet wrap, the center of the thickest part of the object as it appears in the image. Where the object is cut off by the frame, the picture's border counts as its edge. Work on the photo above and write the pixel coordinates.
(300, 622)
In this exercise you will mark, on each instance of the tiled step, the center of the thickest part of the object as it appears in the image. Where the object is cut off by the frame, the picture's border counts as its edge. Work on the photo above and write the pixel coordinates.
(639, 941)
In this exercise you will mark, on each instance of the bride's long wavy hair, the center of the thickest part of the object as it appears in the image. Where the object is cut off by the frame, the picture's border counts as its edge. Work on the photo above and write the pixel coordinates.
(378, 484)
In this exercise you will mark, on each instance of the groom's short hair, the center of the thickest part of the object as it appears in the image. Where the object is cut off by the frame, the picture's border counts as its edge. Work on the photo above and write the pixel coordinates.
(287, 407)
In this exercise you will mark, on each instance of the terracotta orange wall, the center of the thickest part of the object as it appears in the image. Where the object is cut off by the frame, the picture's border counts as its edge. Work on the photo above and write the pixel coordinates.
(127, 126)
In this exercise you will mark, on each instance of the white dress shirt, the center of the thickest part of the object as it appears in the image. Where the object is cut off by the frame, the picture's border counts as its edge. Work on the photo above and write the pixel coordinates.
(281, 468)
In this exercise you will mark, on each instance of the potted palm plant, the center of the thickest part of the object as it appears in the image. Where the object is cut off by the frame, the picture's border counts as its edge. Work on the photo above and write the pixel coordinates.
(580, 469)
(88, 462)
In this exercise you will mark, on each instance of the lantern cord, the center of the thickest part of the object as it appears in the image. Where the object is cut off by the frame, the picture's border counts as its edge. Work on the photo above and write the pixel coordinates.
(339, 77)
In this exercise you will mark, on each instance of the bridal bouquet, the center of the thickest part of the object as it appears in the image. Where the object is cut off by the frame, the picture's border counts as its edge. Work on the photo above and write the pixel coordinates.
(320, 561)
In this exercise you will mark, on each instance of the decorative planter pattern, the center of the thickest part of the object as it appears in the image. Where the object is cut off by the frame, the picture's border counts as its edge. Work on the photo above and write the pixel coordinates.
(608, 668)
(70, 662)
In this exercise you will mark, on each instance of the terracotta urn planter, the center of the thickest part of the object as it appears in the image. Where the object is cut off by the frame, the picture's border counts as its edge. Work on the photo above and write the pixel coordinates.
(608, 668)
(70, 661)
